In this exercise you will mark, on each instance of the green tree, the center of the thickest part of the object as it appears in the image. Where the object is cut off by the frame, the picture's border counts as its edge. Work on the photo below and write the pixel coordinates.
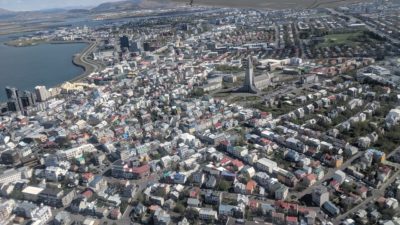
(224, 185)
(160, 192)
(124, 206)
(156, 155)
(140, 197)
(179, 208)
(191, 214)
(197, 92)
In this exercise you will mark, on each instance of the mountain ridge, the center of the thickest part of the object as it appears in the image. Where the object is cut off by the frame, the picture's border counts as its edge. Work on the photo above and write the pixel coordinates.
(5, 11)
(127, 5)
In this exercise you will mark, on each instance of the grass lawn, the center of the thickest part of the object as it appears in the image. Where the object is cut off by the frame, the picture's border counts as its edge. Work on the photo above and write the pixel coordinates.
(340, 39)
(244, 99)
(23, 43)
(228, 69)
(221, 95)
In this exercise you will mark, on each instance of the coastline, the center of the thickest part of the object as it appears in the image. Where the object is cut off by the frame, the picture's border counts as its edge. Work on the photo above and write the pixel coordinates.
(21, 44)
(78, 60)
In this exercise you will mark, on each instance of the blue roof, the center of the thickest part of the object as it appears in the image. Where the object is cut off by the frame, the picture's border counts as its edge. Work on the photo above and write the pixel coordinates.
(178, 176)
(226, 173)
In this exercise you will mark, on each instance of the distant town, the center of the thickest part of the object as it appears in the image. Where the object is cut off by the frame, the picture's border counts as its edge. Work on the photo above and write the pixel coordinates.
(213, 116)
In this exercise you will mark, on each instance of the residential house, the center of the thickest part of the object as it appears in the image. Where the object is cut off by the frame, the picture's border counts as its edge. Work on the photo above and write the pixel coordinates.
(266, 165)
(56, 197)
(207, 214)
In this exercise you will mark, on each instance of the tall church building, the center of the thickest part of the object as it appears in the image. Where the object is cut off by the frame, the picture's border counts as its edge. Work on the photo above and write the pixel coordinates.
(254, 84)
(249, 85)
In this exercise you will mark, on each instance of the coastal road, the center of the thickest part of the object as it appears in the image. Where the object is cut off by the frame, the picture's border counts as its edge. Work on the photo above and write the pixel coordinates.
(88, 51)
(88, 65)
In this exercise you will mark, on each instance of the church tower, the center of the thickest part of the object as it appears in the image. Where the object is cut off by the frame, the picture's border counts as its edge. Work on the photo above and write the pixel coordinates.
(248, 85)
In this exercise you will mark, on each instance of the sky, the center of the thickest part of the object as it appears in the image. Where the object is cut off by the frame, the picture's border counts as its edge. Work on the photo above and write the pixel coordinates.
(24, 5)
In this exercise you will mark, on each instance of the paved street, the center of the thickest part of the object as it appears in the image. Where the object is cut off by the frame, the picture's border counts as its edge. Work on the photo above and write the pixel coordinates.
(328, 176)
(90, 66)
(375, 194)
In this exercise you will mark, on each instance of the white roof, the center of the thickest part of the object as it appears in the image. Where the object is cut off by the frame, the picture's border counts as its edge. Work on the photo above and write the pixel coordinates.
(32, 190)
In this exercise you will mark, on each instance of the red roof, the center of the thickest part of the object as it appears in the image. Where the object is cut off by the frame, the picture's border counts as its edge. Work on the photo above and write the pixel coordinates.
(265, 141)
(113, 117)
(141, 169)
(154, 207)
(315, 164)
(293, 206)
(253, 204)
(87, 193)
(224, 142)
(251, 185)
(115, 213)
(276, 215)
(362, 189)
(381, 200)
(311, 177)
(291, 219)
(327, 156)
(303, 210)
(225, 160)
(385, 169)
(334, 184)
(286, 205)
(87, 176)
(237, 163)
(194, 192)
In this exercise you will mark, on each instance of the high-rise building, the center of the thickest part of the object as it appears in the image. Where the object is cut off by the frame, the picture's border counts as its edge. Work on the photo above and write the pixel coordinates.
(41, 93)
(124, 42)
(146, 46)
(18, 101)
(25, 101)
(13, 106)
(248, 85)
(11, 93)
(14, 101)
(28, 99)
(135, 46)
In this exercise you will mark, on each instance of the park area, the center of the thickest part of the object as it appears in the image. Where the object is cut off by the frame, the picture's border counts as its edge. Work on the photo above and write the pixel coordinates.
(349, 39)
